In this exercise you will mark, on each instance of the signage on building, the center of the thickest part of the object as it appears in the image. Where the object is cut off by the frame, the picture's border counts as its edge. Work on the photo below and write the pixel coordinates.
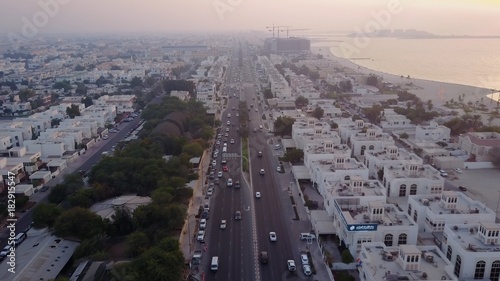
(362, 227)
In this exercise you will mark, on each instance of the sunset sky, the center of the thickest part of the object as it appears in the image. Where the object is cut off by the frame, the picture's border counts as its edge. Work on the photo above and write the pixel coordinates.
(473, 17)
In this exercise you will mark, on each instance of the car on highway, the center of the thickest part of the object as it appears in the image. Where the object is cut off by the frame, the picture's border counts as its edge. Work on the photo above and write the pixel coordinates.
(237, 184)
(201, 236)
(257, 194)
(262, 172)
(223, 224)
(458, 170)
(229, 182)
(228, 122)
(237, 215)
(227, 130)
(304, 259)
(307, 270)
(264, 257)
(291, 265)
(224, 161)
(232, 141)
(259, 153)
(224, 168)
(210, 191)
(462, 188)
(203, 223)
(278, 169)
(214, 163)
(272, 236)
(219, 174)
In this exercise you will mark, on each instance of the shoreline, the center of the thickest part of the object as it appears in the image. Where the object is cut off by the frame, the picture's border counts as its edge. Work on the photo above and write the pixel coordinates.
(437, 91)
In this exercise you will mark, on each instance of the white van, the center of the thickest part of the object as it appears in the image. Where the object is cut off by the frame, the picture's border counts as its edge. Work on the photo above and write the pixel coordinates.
(215, 263)
(224, 149)
(20, 238)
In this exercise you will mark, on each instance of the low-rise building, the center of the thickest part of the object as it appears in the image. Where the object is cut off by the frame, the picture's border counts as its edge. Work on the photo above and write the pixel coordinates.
(404, 262)
(479, 144)
(411, 178)
(432, 132)
(391, 155)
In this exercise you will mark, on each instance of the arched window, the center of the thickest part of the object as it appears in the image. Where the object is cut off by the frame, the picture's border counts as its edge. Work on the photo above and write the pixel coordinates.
(363, 148)
(449, 251)
(479, 272)
(388, 240)
(402, 190)
(413, 189)
(371, 147)
(415, 215)
(458, 266)
(402, 239)
(495, 271)
(409, 209)
(347, 178)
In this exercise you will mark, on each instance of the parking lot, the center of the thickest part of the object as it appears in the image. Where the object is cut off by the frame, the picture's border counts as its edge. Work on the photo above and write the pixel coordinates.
(482, 185)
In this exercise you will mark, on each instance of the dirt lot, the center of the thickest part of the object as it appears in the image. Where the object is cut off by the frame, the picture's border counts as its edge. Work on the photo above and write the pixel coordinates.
(483, 185)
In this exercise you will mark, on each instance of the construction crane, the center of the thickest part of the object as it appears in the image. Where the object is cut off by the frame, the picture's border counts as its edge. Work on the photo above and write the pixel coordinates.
(288, 30)
(276, 28)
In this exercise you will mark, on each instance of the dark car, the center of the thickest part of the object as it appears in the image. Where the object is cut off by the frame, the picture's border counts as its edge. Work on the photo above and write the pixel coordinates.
(462, 188)
(44, 188)
(237, 184)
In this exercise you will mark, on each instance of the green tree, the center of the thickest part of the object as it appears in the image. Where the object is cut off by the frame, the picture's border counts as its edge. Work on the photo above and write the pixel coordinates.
(136, 82)
(429, 105)
(293, 155)
(403, 136)
(79, 68)
(21, 201)
(73, 111)
(87, 101)
(372, 80)
(90, 246)
(268, 94)
(137, 243)
(57, 194)
(45, 215)
(283, 126)
(80, 223)
(121, 223)
(318, 113)
(347, 257)
(301, 102)
(25, 94)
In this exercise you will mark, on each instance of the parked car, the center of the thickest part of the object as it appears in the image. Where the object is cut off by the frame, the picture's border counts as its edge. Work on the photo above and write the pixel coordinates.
(304, 259)
(262, 172)
(203, 223)
(458, 170)
(44, 188)
(272, 236)
(257, 194)
(291, 265)
(264, 257)
(462, 188)
(201, 236)
(307, 270)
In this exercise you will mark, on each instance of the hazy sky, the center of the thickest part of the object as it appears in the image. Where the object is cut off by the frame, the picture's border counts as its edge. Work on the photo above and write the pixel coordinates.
(474, 17)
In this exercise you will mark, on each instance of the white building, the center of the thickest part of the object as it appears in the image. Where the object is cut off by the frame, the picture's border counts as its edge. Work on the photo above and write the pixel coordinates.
(391, 155)
(370, 139)
(310, 130)
(479, 144)
(182, 95)
(411, 178)
(392, 120)
(405, 262)
(473, 250)
(17, 131)
(432, 213)
(433, 132)
(123, 103)
(205, 93)
(372, 222)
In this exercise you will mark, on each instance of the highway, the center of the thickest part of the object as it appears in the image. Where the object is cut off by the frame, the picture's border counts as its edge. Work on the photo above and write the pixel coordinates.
(235, 246)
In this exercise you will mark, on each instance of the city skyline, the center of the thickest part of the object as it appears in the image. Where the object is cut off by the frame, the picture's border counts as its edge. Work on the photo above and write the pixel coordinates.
(69, 16)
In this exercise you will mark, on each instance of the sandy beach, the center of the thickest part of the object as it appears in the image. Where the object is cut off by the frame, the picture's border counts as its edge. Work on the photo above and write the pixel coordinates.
(438, 92)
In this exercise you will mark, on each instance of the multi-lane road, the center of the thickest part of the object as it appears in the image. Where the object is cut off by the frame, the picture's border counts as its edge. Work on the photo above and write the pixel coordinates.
(238, 246)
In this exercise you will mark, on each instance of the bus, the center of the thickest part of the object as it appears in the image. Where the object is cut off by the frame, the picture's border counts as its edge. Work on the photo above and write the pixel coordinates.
(20, 238)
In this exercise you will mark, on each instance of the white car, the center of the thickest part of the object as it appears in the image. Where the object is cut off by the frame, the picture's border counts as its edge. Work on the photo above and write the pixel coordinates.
(257, 194)
(228, 122)
(458, 170)
(219, 174)
(232, 141)
(262, 172)
(203, 223)
(278, 169)
(304, 259)
(201, 235)
(105, 137)
(223, 224)
(237, 114)
(272, 236)
(229, 182)
(307, 270)
(291, 265)
(210, 191)
(227, 130)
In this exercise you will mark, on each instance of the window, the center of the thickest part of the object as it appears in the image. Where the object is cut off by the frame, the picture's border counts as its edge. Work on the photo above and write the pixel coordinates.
(388, 240)
(363, 148)
(402, 190)
(402, 239)
(480, 267)
(495, 271)
(409, 209)
(413, 189)
(415, 215)
(458, 265)
(371, 147)
(448, 253)
(347, 178)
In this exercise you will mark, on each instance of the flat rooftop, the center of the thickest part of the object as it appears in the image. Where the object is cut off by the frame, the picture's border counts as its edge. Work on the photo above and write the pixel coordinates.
(369, 188)
(329, 165)
(392, 216)
(40, 257)
(374, 264)
(106, 209)
(465, 205)
(402, 154)
(466, 237)
(341, 150)
(423, 171)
